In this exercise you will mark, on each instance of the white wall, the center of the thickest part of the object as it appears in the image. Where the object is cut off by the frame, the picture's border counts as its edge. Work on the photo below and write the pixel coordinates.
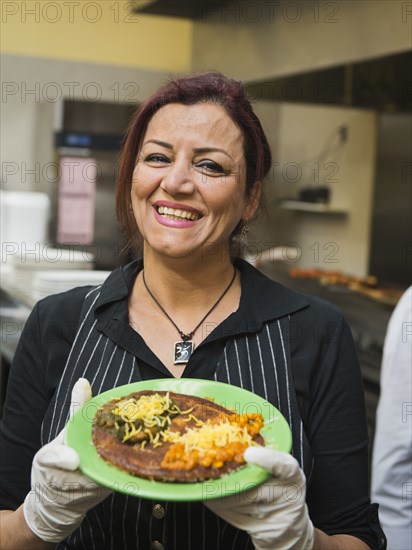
(261, 39)
(298, 134)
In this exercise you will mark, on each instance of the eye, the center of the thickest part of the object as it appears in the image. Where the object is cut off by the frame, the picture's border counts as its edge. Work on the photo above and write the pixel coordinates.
(211, 166)
(157, 158)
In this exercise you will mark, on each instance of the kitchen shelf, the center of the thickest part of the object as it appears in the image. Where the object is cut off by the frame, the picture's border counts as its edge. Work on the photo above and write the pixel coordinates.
(317, 208)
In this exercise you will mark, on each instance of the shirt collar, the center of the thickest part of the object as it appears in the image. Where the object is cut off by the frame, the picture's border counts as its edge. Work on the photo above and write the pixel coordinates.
(118, 284)
(262, 299)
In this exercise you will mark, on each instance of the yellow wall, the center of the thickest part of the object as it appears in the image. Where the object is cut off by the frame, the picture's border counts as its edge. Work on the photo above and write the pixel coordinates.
(97, 32)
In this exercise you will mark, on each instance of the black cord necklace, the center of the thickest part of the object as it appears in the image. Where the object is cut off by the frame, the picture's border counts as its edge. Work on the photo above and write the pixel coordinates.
(184, 349)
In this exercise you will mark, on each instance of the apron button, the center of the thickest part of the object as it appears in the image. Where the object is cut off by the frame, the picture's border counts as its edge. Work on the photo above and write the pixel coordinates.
(158, 511)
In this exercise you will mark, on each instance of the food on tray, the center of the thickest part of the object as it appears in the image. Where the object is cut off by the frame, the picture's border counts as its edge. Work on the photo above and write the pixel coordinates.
(169, 436)
(367, 286)
(333, 277)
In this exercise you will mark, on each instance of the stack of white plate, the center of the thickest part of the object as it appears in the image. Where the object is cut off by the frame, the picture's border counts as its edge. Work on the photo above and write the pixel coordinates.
(52, 282)
(19, 280)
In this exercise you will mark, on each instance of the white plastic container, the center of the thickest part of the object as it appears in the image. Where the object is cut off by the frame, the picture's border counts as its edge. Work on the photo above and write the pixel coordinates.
(24, 222)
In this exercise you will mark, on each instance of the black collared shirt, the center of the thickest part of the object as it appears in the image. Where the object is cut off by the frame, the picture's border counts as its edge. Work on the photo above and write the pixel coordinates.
(324, 370)
(261, 301)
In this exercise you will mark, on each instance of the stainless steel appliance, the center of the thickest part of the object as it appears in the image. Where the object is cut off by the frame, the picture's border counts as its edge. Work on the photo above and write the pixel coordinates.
(391, 232)
(89, 134)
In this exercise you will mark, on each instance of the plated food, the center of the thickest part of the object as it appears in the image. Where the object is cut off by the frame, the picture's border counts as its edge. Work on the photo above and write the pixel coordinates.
(276, 433)
(173, 437)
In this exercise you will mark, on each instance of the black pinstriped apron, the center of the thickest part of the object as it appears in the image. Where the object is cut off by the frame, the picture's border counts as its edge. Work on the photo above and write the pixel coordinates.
(124, 522)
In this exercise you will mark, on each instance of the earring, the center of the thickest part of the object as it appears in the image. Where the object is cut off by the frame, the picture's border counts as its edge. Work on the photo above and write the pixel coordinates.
(131, 208)
(244, 230)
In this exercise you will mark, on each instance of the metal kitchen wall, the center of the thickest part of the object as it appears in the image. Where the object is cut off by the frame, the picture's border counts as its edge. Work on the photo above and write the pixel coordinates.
(391, 234)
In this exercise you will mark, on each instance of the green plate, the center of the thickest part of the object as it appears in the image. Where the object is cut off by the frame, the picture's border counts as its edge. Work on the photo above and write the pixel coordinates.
(276, 433)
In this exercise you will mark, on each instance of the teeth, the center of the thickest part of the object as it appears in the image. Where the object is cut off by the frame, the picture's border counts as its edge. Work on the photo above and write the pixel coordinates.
(177, 214)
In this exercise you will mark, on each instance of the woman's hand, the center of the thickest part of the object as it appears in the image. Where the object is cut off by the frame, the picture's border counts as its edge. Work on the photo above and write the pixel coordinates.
(61, 495)
(274, 514)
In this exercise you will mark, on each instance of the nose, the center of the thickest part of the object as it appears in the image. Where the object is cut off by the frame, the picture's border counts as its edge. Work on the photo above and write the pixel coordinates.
(178, 179)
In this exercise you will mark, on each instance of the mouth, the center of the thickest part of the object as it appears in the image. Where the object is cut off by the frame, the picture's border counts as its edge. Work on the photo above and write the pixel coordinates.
(177, 213)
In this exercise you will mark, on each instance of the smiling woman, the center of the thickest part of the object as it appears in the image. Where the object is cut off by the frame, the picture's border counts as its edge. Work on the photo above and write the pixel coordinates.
(191, 173)
(208, 94)
(189, 170)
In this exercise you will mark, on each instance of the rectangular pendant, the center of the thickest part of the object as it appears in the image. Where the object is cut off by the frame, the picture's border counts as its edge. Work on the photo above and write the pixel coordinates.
(183, 351)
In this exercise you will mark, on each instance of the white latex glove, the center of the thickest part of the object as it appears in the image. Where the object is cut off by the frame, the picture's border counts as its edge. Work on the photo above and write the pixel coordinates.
(274, 514)
(61, 495)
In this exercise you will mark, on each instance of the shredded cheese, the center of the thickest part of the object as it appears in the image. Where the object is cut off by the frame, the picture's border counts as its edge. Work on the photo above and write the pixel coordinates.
(147, 408)
(150, 411)
(207, 436)
(214, 443)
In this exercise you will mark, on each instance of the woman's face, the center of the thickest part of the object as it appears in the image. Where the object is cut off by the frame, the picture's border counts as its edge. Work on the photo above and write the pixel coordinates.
(188, 188)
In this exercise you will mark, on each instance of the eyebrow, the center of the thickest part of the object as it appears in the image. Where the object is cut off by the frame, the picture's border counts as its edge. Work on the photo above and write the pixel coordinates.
(196, 150)
(161, 143)
(212, 150)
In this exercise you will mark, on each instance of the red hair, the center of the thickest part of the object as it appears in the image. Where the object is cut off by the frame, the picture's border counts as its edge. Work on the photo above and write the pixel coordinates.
(212, 87)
